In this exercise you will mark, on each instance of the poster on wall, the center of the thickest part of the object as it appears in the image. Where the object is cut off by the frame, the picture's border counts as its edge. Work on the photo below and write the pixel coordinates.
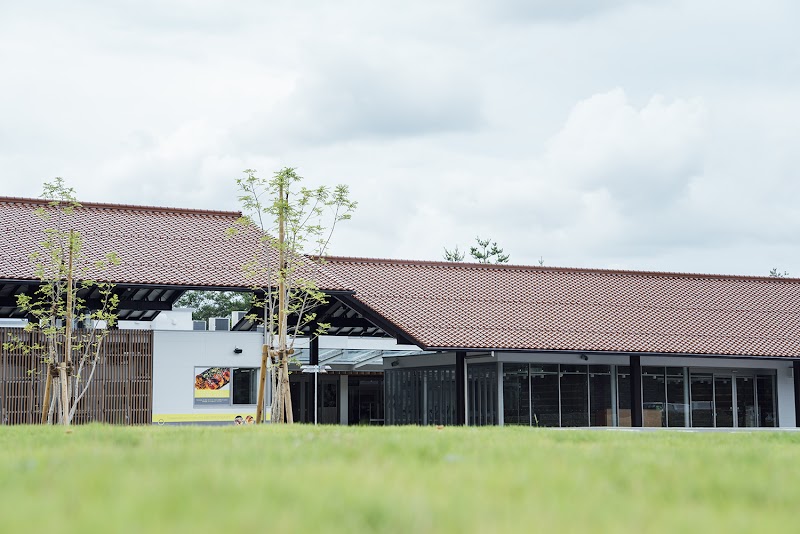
(212, 386)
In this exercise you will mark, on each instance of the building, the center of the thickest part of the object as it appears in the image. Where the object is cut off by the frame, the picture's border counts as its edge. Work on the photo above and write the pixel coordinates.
(491, 344)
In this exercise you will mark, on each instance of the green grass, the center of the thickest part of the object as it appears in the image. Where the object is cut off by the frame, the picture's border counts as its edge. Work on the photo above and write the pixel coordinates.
(395, 479)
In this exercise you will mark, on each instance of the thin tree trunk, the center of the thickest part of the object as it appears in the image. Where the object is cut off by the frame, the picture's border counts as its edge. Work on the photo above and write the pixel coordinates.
(67, 363)
(285, 403)
(55, 405)
(48, 384)
(277, 394)
(62, 374)
(287, 393)
(262, 382)
(87, 382)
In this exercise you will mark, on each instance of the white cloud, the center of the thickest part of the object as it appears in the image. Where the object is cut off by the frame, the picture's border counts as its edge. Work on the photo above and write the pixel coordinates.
(606, 142)
(448, 120)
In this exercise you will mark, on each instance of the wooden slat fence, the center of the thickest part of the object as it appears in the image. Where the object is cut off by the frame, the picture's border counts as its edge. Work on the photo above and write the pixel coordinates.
(120, 393)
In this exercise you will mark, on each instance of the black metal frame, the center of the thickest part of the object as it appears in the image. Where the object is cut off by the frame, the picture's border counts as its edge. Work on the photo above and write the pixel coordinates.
(137, 302)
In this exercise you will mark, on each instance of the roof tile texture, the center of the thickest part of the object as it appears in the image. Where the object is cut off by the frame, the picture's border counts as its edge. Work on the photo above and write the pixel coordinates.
(445, 305)
(156, 245)
(458, 305)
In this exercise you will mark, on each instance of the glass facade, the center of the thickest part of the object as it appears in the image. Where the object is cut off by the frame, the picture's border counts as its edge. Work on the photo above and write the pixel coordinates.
(482, 406)
(765, 398)
(365, 400)
(516, 394)
(664, 394)
(560, 395)
(601, 398)
(421, 396)
(544, 395)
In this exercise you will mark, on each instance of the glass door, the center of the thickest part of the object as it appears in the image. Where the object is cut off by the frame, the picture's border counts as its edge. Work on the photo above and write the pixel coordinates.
(746, 413)
(702, 403)
(723, 400)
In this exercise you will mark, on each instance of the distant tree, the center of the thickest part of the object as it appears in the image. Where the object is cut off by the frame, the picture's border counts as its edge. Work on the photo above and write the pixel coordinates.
(541, 261)
(775, 273)
(487, 251)
(209, 304)
(453, 255)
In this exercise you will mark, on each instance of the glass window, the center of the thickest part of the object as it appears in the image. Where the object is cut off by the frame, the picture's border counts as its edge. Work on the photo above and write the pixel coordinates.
(329, 394)
(574, 396)
(624, 395)
(765, 392)
(433, 396)
(723, 400)
(365, 400)
(440, 397)
(654, 395)
(702, 392)
(544, 399)
(401, 388)
(245, 385)
(600, 395)
(746, 413)
(677, 415)
(516, 394)
(482, 393)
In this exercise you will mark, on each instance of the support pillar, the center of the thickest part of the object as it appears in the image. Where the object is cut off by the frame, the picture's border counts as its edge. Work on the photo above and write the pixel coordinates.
(313, 359)
(796, 376)
(636, 392)
(313, 350)
(461, 388)
(344, 398)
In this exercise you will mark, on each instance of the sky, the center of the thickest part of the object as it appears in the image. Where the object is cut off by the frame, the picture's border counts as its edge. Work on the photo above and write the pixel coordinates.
(647, 135)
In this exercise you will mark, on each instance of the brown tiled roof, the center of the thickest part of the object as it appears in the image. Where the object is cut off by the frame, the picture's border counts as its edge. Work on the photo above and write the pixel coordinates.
(158, 246)
(443, 304)
(476, 306)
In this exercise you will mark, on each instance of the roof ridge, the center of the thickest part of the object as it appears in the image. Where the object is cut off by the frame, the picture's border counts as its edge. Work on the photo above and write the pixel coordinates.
(546, 268)
(123, 207)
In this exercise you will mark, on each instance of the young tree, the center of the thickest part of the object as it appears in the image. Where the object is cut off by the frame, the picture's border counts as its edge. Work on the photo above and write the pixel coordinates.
(486, 251)
(295, 225)
(70, 354)
(453, 255)
(775, 273)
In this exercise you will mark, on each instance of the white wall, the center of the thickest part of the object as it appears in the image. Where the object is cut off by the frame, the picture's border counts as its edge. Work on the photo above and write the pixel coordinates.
(175, 356)
(177, 319)
(13, 323)
(356, 342)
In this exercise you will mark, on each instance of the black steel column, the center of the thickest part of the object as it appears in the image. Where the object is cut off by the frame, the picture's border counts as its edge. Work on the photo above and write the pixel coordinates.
(461, 388)
(796, 375)
(313, 359)
(313, 351)
(636, 391)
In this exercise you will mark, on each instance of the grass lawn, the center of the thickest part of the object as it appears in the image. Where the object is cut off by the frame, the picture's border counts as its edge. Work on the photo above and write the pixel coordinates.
(395, 479)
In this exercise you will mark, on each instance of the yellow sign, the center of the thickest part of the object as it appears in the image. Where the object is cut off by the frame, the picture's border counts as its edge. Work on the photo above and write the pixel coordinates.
(163, 418)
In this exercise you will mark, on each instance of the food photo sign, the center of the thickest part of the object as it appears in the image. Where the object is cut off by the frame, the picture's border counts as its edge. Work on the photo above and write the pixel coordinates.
(211, 386)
